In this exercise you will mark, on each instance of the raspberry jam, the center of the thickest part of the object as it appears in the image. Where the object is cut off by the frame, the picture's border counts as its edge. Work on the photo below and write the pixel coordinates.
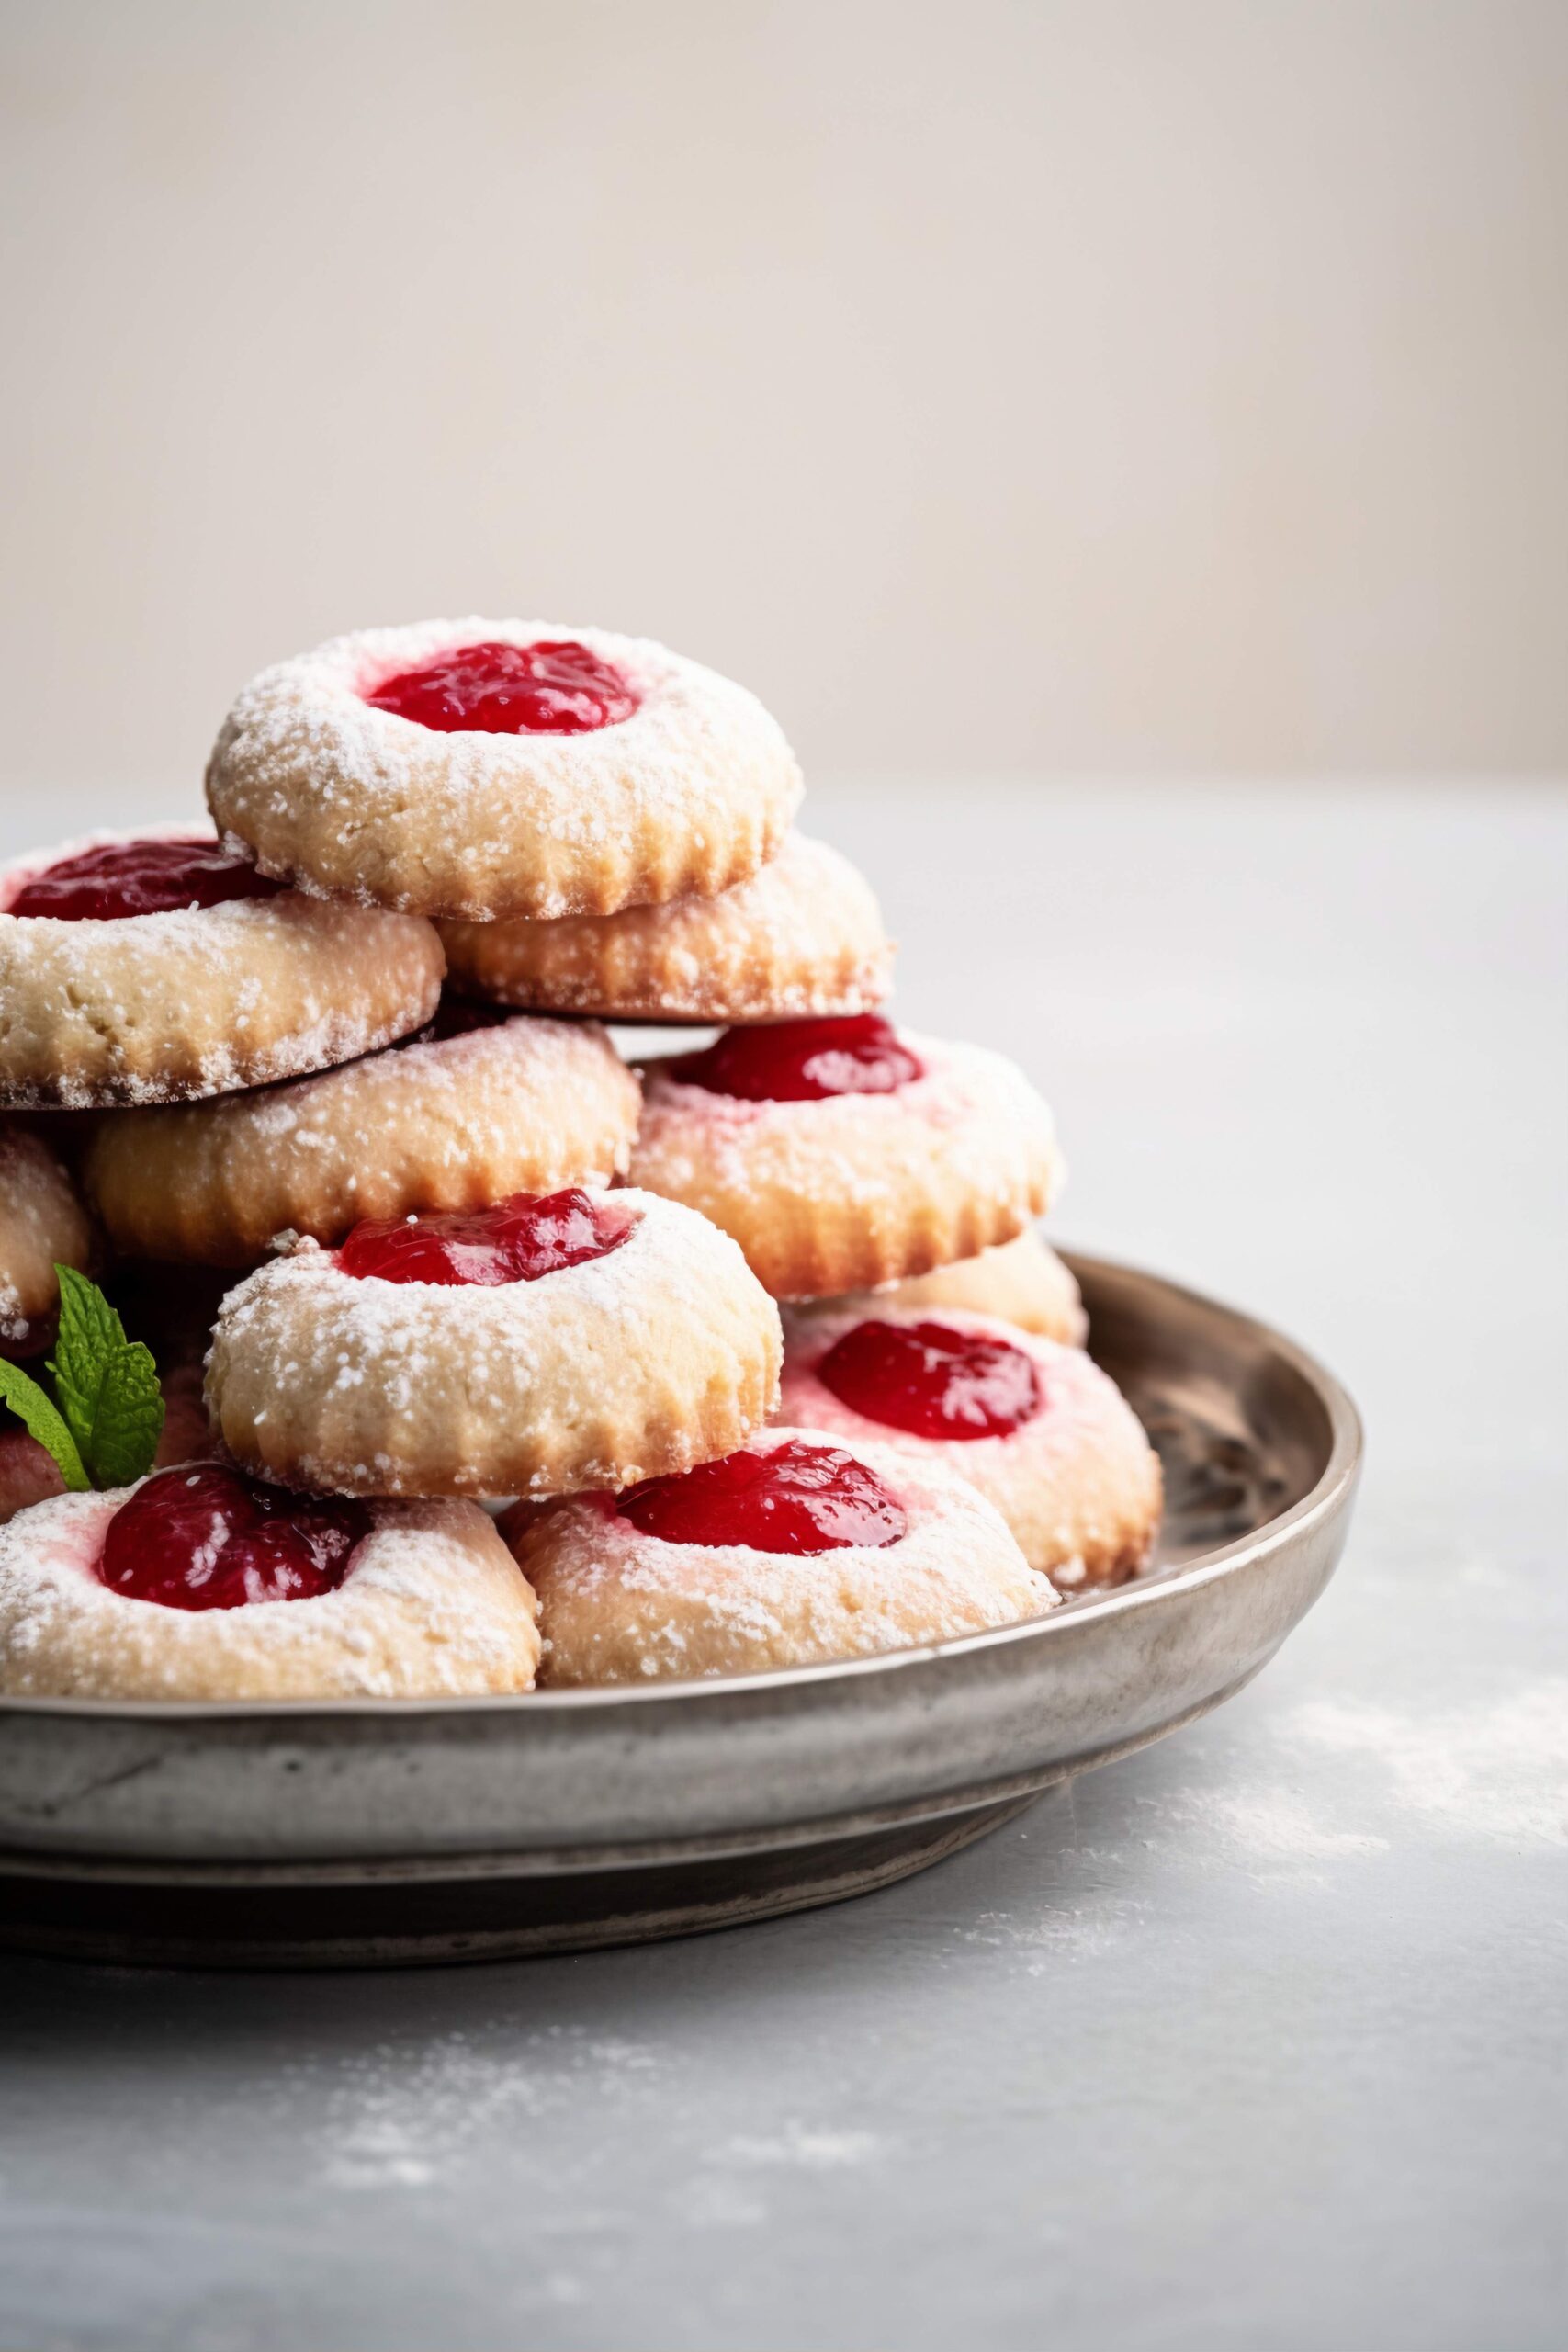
(794, 1497)
(932, 1380)
(155, 876)
(207, 1537)
(516, 1242)
(546, 689)
(803, 1061)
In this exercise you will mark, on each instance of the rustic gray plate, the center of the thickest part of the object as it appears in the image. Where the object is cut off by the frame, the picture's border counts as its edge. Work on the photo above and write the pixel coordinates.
(351, 1832)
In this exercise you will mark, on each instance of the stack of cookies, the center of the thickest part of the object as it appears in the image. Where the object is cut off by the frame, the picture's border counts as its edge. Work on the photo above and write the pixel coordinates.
(485, 1356)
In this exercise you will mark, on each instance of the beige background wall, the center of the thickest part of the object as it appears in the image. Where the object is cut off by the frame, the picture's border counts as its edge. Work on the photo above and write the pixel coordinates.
(1138, 385)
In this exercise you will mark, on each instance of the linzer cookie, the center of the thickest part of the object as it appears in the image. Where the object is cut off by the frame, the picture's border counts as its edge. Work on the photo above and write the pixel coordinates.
(845, 1154)
(482, 768)
(156, 968)
(803, 936)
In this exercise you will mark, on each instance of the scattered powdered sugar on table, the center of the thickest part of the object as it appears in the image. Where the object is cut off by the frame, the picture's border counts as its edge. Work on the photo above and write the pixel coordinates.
(1070, 1932)
(803, 2147)
(1497, 1769)
(404, 2120)
(1274, 1832)
(1278, 1825)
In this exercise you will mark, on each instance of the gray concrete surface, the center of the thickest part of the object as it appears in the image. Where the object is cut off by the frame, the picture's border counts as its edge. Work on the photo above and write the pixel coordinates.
(1255, 2041)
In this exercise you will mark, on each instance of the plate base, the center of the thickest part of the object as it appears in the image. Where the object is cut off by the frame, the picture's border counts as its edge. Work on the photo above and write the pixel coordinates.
(192, 1921)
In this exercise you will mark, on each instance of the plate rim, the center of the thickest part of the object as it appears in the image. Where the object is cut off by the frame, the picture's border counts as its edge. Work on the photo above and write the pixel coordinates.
(1330, 1492)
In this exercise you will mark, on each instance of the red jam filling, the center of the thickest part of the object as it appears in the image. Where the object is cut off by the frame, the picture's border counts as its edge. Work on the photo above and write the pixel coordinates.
(794, 1497)
(803, 1061)
(516, 1242)
(207, 1537)
(145, 877)
(932, 1380)
(546, 689)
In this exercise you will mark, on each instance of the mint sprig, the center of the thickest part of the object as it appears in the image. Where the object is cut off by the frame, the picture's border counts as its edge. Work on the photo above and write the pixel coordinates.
(103, 1423)
(106, 1386)
(40, 1419)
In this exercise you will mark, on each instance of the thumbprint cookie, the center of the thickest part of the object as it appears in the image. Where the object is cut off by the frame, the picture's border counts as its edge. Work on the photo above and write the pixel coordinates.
(588, 1339)
(1020, 1281)
(201, 1583)
(845, 1154)
(480, 768)
(42, 1225)
(161, 966)
(472, 1110)
(1038, 1428)
(794, 1551)
(803, 936)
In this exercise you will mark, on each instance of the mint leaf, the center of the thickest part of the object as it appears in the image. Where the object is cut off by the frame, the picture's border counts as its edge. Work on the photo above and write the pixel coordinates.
(107, 1387)
(129, 1418)
(28, 1401)
(89, 1336)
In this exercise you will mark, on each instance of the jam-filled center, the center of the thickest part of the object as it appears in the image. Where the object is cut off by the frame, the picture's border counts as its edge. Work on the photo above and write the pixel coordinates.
(933, 1380)
(154, 877)
(795, 1497)
(517, 1240)
(207, 1537)
(803, 1061)
(553, 688)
